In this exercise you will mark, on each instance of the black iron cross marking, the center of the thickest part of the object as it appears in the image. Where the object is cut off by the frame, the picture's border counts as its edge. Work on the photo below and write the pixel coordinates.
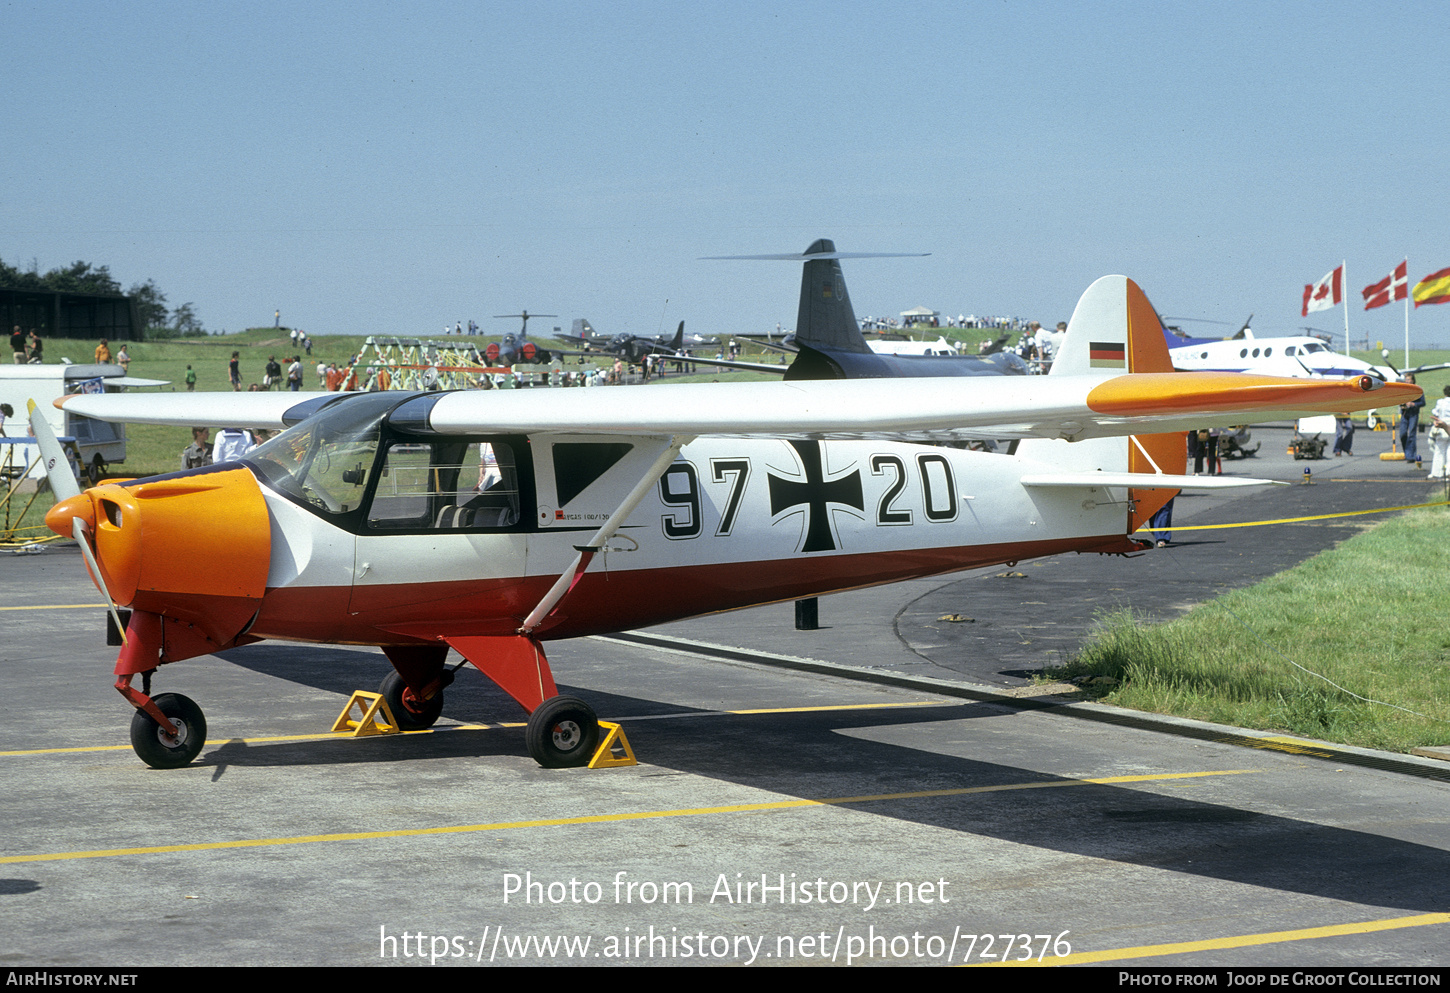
(815, 493)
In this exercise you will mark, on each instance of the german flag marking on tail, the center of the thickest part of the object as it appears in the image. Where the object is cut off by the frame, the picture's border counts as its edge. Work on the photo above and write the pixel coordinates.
(1107, 355)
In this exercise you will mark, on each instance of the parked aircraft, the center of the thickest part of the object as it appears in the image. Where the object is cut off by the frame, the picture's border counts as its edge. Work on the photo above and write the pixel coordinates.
(421, 522)
(828, 339)
(1293, 355)
(633, 347)
(517, 347)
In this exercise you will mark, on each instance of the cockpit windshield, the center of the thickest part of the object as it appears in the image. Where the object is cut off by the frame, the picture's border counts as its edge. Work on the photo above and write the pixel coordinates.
(326, 461)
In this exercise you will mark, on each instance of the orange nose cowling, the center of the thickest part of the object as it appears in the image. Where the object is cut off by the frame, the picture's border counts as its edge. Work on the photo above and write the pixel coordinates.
(59, 517)
(196, 548)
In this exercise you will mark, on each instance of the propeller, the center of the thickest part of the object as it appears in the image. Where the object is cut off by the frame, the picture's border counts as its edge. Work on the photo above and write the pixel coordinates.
(81, 534)
(63, 484)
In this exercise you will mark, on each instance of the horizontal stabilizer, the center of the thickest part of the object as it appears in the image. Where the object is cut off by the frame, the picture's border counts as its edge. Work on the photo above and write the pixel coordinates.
(1143, 480)
(808, 256)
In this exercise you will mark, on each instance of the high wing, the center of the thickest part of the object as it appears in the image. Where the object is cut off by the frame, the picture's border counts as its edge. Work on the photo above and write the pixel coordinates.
(1070, 407)
(1113, 326)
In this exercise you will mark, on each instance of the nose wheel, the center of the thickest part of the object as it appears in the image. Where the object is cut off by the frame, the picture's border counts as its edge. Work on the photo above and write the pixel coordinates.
(563, 732)
(161, 750)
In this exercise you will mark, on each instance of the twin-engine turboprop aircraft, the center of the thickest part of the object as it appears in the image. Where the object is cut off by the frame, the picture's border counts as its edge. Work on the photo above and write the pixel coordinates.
(421, 522)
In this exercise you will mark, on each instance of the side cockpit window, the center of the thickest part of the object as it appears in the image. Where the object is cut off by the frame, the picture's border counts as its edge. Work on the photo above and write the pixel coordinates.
(447, 485)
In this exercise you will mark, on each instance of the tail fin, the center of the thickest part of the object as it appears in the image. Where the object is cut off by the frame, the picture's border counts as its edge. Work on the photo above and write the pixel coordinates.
(1113, 329)
(678, 343)
(825, 316)
(1116, 330)
(582, 328)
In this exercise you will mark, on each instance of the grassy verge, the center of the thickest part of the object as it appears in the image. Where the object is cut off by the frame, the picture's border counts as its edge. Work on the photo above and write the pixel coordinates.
(1368, 615)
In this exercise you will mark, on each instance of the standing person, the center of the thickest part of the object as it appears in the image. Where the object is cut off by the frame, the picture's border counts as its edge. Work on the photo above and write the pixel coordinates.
(1215, 467)
(1197, 448)
(17, 345)
(1162, 519)
(273, 378)
(1440, 435)
(231, 444)
(37, 347)
(294, 374)
(5, 411)
(234, 370)
(190, 380)
(1343, 435)
(123, 359)
(103, 353)
(1410, 425)
(198, 453)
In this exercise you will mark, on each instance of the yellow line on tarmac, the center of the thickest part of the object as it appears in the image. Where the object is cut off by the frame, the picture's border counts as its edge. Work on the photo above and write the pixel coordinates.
(1294, 520)
(1239, 941)
(59, 606)
(738, 808)
(324, 736)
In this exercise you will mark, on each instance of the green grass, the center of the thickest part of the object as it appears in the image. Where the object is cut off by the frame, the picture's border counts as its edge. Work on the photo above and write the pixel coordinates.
(1368, 615)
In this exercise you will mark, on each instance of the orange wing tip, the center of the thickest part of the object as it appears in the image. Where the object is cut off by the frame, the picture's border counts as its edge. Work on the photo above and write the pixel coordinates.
(1210, 392)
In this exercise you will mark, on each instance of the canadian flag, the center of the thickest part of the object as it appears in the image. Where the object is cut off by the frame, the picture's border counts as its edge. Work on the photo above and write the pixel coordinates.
(1328, 292)
(1395, 286)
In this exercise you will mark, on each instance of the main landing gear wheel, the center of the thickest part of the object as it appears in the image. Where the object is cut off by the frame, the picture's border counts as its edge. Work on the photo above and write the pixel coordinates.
(411, 713)
(562, 732)
(160, 750)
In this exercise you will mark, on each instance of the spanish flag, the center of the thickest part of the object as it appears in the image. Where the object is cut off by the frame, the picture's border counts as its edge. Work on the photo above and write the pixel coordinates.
(1434, 288)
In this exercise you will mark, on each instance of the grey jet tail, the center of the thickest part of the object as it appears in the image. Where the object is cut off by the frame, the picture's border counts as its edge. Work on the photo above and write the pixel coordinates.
(825, 318)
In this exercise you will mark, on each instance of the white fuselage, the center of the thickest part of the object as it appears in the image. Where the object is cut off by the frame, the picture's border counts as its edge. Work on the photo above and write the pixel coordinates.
(1296, 357)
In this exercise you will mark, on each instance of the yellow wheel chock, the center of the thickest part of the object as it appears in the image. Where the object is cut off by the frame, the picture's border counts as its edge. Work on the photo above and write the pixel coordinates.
(376, 717)
(606, 756)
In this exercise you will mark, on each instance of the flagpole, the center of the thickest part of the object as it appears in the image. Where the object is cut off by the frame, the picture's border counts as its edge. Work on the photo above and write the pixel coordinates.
(1407, 310)
(1344, 281)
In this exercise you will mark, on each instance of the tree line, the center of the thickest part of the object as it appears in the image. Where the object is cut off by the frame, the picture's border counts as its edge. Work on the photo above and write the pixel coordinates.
(82, 277)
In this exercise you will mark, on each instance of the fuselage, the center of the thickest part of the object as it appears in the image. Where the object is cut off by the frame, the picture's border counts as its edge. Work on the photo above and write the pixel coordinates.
(1293, 356)
(362, 525)
(824, 362)
(733, 523)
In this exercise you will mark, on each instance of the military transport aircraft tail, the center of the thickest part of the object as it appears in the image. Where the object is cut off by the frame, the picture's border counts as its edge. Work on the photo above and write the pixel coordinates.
(825, 317)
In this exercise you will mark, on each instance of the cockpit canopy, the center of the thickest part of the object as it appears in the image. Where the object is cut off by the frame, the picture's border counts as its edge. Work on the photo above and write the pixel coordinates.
(369, 463)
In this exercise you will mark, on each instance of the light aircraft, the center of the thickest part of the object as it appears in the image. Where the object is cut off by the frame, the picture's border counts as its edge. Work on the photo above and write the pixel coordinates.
(421, 522)
(1292, 355)
(828, 339)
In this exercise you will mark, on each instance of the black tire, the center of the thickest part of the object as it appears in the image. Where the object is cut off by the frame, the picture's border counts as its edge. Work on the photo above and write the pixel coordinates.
(96, 470)
(154, 747)
(410, 713)
(563, 732)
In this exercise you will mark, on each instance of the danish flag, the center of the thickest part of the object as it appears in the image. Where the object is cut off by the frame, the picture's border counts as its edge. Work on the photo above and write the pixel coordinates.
(1328, 292)
(1395, 286)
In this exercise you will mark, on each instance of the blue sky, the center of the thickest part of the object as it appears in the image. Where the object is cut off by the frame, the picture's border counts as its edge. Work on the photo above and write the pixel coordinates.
(387, 168)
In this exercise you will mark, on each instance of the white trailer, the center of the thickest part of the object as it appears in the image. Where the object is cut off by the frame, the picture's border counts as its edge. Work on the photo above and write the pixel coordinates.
(94, 445)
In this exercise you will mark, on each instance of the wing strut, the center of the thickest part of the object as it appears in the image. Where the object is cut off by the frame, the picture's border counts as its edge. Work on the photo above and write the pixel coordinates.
(570, 576)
